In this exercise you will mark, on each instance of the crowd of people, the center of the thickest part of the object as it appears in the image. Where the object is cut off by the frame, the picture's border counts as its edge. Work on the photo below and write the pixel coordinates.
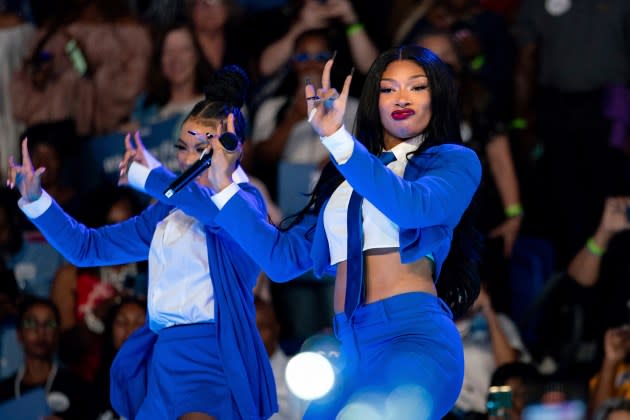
(483, 148)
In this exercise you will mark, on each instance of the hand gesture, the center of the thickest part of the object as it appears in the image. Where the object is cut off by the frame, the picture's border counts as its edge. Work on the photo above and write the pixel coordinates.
(617, 343)
(326, 107)
(343, 10)
(615, 216)
(224, 162)
(313, 15)
(134, 153)
(508, 230)
(482, 303)
(27, 180)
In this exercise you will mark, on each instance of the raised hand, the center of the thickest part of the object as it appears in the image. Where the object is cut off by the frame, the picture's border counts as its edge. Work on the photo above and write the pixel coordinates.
(224, 162)
(615, 216)
(617, 343)
(27, 180)
(326, 107)
(508, 230)
(134, 152)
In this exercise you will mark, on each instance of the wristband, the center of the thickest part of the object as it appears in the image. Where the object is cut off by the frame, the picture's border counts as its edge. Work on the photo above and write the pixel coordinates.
(477, 62)
(518, 123)
(593, 248)
(513, 210)
(354, 28)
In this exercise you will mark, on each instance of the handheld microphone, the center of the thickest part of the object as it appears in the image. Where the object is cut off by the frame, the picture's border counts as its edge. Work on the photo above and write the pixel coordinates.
(228, 140)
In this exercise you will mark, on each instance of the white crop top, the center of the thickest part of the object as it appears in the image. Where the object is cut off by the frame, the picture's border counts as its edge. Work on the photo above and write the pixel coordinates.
(378, 230)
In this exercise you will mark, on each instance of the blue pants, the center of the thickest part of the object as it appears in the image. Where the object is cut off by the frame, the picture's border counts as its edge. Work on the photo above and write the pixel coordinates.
(401, 358)
(186, 375)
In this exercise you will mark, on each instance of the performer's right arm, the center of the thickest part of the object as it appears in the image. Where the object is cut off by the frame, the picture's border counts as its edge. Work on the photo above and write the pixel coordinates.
(282, 255)
(240, 211)
(115, 244)
(121, 243)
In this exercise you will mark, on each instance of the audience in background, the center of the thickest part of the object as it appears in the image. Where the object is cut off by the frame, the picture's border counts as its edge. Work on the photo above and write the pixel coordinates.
(553, 131)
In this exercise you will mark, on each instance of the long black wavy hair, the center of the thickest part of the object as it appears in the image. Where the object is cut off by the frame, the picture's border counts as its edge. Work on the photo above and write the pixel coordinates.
(458, 284)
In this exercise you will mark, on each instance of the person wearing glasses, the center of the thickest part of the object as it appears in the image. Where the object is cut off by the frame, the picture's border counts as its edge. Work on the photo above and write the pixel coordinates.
(38, 333)
(281, 132)
(288, 158)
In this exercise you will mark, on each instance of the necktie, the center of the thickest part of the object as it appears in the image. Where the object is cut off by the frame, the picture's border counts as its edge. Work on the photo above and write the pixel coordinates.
(354, 276)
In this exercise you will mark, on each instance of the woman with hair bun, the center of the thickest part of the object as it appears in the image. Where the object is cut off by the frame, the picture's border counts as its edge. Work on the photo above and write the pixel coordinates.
(200, 355)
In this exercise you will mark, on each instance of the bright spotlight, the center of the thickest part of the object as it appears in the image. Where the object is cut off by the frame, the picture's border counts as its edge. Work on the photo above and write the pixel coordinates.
(309, 375)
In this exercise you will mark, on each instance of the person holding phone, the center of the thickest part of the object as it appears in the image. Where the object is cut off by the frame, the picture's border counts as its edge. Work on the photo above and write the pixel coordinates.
(200, 355)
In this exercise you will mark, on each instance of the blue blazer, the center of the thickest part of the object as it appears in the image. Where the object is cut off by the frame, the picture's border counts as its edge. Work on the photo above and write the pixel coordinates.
(426, 203)
(233, 274)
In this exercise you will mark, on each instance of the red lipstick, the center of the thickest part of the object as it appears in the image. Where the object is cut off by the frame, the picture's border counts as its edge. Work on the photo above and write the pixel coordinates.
(402, 114)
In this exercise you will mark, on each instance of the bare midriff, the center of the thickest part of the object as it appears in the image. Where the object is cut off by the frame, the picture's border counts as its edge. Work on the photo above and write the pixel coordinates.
(386, 276)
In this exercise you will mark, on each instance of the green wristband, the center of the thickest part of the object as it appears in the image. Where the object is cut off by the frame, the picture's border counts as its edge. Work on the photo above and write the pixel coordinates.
(593, 248)
(513, 210)
(477, 63)
(518, 124)
(354, 28)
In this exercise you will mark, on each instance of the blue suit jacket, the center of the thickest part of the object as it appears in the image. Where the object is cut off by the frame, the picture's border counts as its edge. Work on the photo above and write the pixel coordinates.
(426, 204)
(233, 274)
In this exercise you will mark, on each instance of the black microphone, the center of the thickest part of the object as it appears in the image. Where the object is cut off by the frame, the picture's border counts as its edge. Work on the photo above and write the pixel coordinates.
(228, 140)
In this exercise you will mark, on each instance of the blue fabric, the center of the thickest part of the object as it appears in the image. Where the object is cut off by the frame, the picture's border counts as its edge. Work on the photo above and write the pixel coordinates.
(233, 275)
(406, 342)
(129, 372)
(354, 285)
(186, 375)
(244, 357)
(426, 204)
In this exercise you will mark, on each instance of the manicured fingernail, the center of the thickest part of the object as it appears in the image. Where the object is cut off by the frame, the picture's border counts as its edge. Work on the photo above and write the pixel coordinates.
(352, 71)
(334, 55)
(307, 81)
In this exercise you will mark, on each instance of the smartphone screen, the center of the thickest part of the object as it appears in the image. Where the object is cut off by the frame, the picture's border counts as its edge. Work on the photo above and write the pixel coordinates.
(499, 400)
(76, 57)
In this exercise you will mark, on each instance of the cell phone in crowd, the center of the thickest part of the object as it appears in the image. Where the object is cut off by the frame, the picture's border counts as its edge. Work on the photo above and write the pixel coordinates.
(76, 56)
(499, 401)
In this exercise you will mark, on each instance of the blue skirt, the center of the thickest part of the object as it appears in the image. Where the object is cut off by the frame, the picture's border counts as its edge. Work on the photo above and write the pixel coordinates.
(185, 375)
(401, 357)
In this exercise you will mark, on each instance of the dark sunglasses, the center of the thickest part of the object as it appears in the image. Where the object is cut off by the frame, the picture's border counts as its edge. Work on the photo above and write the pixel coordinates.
(321, 57)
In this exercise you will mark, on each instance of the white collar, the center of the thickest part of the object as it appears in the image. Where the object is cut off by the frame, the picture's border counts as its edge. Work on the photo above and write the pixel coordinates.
(401, 150)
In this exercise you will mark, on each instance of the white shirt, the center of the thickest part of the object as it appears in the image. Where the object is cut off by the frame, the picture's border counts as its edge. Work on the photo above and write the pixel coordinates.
(180, 285)
(378, 230)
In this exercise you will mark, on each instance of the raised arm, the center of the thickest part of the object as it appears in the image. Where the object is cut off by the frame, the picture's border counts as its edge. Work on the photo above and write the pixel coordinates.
(439, 196)
(82, 246)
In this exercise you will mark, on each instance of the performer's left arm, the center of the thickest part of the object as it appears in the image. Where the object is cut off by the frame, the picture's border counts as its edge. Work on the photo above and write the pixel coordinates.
(442, 192)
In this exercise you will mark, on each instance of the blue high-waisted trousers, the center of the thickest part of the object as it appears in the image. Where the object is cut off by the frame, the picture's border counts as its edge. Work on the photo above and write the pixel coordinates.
(186, 375)
(401, 358)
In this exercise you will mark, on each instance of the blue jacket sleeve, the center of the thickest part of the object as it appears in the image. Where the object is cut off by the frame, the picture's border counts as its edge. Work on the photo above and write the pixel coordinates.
(121, 243)
(282, 255)
(194, 199)
(439, 196)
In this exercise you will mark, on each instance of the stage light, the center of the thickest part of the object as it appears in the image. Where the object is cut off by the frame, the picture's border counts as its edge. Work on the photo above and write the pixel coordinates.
(309, 375)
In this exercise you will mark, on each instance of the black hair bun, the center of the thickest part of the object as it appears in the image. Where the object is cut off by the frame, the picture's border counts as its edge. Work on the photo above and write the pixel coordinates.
(229, 85)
